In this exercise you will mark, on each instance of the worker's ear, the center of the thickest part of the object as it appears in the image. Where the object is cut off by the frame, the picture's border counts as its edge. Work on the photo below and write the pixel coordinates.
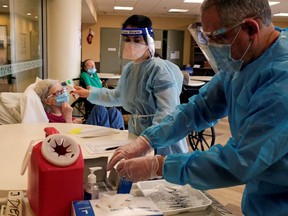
(252, 27)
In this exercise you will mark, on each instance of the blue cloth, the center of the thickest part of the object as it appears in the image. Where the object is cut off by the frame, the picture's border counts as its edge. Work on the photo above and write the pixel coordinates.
(110, 117)
(256, 102)
(149, 91)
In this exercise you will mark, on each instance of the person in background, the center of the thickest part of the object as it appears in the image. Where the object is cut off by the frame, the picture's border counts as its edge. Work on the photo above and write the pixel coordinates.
(89, 74)
(251, 89)
(149, 87)
(88, 79)
(55, 100)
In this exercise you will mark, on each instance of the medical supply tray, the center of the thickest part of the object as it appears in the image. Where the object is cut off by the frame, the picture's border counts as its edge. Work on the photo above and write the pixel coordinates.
(150, 187)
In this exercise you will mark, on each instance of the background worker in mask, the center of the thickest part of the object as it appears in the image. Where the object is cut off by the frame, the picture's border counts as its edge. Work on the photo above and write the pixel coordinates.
(149, 87)
(251, 89)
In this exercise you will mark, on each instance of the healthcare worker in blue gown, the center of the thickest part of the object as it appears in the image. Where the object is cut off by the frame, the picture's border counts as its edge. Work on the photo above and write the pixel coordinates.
(251, 89)
(149, 87)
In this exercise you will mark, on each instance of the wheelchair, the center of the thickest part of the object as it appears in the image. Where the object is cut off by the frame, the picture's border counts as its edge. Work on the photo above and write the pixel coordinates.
(81, 106)
(80, 109)
(201, 140)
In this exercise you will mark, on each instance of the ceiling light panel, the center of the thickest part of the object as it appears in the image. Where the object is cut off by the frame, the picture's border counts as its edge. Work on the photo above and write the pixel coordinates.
(123, 8)
(271, 3)
(281, 14)
(178, 10)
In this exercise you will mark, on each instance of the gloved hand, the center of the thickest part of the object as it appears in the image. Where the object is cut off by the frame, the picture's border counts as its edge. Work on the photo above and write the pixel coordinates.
(141, 168)
(137, 148)
(82, 92)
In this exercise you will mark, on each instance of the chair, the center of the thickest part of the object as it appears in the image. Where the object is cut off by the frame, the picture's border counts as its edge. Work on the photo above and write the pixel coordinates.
(82, 107)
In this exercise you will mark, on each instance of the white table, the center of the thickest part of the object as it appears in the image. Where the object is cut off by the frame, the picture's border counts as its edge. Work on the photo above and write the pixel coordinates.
(15, 139)
(195, 83)
(201, 78)
(108, 76)
(109, 79)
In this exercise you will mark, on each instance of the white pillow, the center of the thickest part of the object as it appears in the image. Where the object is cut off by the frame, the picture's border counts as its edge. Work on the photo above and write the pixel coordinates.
(31, 107)
(10, 107)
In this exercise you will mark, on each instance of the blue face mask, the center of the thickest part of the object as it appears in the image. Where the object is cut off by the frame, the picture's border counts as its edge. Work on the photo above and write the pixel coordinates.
(223, 59)
(91, 70)
(61, 99)
(222, 56)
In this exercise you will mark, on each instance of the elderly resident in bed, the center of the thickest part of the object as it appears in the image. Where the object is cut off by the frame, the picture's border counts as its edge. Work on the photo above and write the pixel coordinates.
(55, 98)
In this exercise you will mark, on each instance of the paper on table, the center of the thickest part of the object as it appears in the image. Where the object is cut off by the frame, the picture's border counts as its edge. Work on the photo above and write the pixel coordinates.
(92, 132)
(102, 147)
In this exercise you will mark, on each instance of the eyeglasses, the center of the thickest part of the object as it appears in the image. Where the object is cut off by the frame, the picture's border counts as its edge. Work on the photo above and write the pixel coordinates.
(218, 35)
(58, 93)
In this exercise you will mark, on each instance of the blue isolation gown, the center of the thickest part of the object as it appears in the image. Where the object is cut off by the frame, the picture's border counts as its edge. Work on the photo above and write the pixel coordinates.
(149, 90)
(256, 102)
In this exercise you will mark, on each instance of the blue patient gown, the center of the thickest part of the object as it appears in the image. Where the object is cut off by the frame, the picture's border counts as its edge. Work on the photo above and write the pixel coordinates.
(149, 91)
(256, 102)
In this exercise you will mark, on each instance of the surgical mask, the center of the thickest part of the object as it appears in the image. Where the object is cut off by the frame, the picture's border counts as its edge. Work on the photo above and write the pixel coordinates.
(61, 99)
(91, 70)
(134, 51)
(223, 57)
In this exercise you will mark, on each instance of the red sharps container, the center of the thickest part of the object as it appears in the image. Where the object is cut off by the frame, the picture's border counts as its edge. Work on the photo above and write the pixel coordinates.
(55, 175)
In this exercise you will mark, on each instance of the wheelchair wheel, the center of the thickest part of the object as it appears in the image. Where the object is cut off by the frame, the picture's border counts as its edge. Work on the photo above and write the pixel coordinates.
(202, 140)
(79, 109)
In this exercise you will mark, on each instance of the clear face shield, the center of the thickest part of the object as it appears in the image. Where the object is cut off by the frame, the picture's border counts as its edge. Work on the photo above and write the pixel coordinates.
(217, 49)
(135, 42)
(196, 31)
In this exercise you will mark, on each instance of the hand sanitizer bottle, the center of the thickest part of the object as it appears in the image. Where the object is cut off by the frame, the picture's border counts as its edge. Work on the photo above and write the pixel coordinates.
(91, 190)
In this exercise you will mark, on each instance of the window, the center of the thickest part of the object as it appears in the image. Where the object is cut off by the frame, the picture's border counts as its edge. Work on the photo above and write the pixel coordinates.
(21, 43)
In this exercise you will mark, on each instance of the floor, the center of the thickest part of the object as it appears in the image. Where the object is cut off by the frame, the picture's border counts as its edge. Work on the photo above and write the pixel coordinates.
(231, 199)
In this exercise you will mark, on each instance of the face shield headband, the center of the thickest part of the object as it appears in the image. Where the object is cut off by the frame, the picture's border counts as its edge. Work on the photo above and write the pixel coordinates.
(146, 33)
